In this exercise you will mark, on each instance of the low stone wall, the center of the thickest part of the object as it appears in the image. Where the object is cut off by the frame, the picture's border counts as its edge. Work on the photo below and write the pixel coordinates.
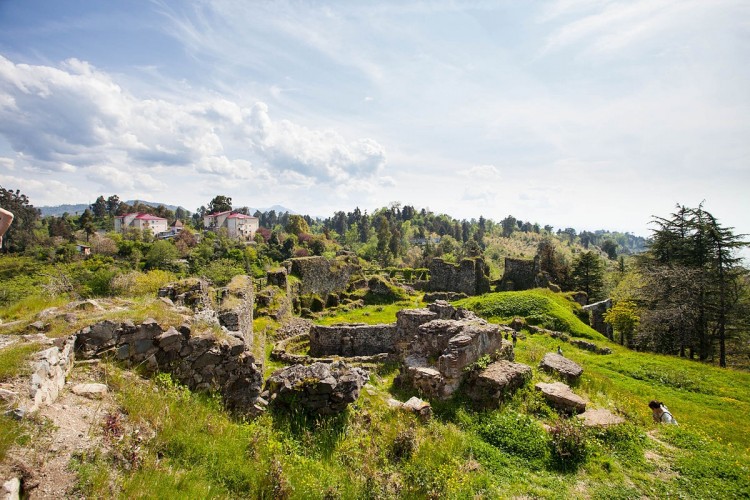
(49, 370)
(470, 276)
(200, 361)
(352, 339)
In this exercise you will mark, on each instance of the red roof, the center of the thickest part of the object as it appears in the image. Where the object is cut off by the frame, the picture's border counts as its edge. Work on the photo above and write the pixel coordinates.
(241, 216)
(141, 216)
(149, 217)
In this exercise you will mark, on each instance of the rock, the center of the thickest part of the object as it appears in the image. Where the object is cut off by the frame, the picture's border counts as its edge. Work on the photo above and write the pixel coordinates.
(489, 386)
(600, 418)
(517, 324)
(556, 363)
(91, 391)
(419, 407)
(48, 313)
(590, 346)
(561, 397)
(8, 396)
(16, 414)
(11, 489)
(318, 388)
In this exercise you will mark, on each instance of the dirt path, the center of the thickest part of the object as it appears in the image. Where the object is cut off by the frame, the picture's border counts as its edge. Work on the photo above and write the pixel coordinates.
(72, 425)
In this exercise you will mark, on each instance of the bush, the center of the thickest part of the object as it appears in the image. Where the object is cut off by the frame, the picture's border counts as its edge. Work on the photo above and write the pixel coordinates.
(568, 444)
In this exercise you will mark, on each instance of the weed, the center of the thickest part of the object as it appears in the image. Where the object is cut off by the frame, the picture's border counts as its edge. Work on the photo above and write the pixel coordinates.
(14, 360)
(568, 444)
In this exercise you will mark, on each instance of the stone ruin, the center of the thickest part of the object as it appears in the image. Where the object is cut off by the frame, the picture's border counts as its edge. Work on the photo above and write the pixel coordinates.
(519, 274)
(434, 345)
(319, 388)
(597, 310)
(469, 277)
(319, 275)
(441, 350)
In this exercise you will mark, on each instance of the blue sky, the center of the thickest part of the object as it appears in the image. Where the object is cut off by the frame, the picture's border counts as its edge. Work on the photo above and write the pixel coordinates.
(583, 113)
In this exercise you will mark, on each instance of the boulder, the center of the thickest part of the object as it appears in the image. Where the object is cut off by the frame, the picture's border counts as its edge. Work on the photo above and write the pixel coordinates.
(91, 391)
(419, 407)
(489, 386)
(319, 388)
(561, 397)
(600, 418)
(11, 489)
(557, 363)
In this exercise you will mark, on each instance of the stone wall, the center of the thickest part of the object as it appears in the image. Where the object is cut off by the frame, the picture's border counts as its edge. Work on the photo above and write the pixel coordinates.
(49, 369)
(470, 276)
(520, 274)
(352, 340)
(321, 276)
(455, 344)
(199, 360)
(597, 310)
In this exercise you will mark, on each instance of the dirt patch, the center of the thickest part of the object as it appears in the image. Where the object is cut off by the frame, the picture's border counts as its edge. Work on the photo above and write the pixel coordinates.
(71, 425)
(661, 463)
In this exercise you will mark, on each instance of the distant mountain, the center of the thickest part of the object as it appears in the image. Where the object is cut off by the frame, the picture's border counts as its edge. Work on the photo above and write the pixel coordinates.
(58, 210)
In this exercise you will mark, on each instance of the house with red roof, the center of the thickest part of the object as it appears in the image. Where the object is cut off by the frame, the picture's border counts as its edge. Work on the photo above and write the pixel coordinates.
(140, 221)
(237, 225)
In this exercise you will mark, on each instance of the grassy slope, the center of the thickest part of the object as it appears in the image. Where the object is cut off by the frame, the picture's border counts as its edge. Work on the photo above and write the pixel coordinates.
(372, 451)
(540, 307)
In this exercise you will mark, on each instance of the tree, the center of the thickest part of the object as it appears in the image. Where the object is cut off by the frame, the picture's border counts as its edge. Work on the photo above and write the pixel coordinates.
(297, 225)
(219, 204)
(99, 208)
(624, 319)
(588, 275)
(694, 281)
(610, 248)
(161, 255)
(86, 222)
(509, 225)
(113, 204)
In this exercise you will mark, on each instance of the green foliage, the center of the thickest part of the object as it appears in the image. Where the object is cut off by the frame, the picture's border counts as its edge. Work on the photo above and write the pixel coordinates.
(137, 284)
(624, 319)
(221, 271)
(541, 306)
(161, 255)
(588, 275)
(14, 360)
(516, 434)
(568, 443)
(12, 432)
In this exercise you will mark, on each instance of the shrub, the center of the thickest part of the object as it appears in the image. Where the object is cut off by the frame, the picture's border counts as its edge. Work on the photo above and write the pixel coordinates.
(568, 444)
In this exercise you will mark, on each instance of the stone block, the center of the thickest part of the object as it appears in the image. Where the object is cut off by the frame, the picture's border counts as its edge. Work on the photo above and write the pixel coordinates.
(562, 397)
(564, 367)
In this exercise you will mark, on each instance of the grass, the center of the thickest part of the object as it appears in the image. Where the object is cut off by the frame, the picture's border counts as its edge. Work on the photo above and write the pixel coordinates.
(182, 444)
(14, 360)
(539, 307)
(371, 314)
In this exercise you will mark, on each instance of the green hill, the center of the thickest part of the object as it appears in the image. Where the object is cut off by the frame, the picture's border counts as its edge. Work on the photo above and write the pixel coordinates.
(189, 447)
(541, 307)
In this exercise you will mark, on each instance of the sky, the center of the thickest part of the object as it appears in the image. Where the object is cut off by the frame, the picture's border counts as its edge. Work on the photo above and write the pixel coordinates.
(591, 114)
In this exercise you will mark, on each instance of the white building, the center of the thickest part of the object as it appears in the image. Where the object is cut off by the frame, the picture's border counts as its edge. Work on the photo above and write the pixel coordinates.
(238, 225)
(140, 221)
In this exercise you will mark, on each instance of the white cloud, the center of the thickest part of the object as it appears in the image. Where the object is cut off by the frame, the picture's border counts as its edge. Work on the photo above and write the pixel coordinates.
(77, 117)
